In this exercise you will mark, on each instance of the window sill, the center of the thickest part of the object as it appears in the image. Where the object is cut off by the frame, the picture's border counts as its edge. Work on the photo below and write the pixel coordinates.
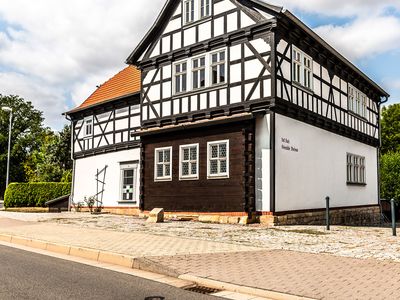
(189, 178)
(196, 22)
(200, 90)
(162, 179)
(356, 184)
(127, 202)
(302, 87)
(218, 177)
(356, 115)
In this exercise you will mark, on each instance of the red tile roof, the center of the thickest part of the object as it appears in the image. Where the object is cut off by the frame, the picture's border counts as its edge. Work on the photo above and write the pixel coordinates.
(124, 83)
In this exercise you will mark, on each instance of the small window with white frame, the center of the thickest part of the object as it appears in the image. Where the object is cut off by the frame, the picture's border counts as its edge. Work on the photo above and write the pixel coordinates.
(199, 72)
(218, 69)
(357, 102)
(180, 77)
(88, 127)
(163, 164)
(302, 66)
(218, 159)
(128, 181)
(205, 8)
(195, 10)
(189, 7)
(189, 162)
(356, 169)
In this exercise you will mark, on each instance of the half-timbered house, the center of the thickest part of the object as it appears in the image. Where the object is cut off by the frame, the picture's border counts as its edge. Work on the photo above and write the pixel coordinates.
(244, 110)
(105, 146)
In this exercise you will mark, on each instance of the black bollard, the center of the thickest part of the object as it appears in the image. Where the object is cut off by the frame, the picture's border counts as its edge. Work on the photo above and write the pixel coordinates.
(328, 225)
(393, 209)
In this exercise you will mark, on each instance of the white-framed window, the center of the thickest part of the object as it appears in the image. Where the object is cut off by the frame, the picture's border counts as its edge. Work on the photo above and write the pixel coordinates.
(189, 7)
(355, 169)
(218, 159)
(195, 10)
(128, 181)
(189, 161)
(199, 72)
(218, 69)
(180, 77)
(88, 127)
(302, 66)
(163, 164)
(205, 8)
(357, 101)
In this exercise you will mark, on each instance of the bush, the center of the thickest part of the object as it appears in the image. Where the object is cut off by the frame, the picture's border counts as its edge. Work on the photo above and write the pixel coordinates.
(390, 176)
(34, 194)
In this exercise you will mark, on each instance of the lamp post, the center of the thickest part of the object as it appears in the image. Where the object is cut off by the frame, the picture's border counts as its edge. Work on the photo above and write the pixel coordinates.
(8, 109)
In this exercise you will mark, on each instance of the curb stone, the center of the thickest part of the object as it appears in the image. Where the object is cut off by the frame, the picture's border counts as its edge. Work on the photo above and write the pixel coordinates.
(142, 264)
(240, 289)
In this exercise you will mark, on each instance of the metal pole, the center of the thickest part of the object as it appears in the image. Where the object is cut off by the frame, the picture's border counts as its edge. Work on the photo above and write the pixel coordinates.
(328, 225)
(9, 150)
(393, 206)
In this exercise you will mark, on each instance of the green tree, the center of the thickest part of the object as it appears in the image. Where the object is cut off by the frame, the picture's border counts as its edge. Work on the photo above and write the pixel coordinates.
(26, 135)
(52, 161)
(390, 176)
(390, 128)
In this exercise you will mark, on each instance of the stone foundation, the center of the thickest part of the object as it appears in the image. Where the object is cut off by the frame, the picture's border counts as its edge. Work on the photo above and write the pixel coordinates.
(356, 216)
(121, 211)
(360, 216)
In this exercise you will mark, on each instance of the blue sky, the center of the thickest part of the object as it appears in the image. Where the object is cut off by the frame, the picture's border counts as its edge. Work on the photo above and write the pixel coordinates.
(54, 53)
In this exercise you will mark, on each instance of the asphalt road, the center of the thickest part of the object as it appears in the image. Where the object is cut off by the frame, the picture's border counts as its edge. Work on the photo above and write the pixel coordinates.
(26, 275)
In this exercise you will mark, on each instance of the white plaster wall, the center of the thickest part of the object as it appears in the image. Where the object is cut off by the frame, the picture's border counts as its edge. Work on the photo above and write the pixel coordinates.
(85, 171)
(263, 149)
(318, 169)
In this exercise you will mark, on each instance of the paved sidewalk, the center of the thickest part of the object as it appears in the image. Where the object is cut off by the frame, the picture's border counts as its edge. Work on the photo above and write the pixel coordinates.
(320, 276)
(132, 244)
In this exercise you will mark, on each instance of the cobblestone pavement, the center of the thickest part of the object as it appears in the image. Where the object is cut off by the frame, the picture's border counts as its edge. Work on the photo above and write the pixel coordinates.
(357, 242)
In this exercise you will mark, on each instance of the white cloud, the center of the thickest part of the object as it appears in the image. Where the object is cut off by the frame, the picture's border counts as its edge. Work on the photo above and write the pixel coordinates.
(49, 99)
(365, 37)
(56, 48)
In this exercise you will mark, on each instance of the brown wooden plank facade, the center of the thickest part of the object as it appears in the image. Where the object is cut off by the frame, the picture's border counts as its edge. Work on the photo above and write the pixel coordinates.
(200, 195)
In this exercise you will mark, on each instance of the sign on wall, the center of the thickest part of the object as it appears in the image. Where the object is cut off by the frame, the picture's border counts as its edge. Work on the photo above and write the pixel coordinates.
(289, 145)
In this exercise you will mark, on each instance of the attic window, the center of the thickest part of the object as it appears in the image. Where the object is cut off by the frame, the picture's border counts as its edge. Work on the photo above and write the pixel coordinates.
(189, 11)
(204, 8)
(195, 10)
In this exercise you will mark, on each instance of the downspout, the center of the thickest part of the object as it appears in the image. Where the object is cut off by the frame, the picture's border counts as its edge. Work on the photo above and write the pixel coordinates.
(378, 152)
(71, 197)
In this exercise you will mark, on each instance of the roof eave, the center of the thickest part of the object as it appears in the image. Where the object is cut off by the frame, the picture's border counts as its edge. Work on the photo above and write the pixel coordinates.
(80, 109)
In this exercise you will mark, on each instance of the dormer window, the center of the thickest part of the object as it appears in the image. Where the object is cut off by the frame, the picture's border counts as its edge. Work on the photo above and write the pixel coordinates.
(195, 10)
